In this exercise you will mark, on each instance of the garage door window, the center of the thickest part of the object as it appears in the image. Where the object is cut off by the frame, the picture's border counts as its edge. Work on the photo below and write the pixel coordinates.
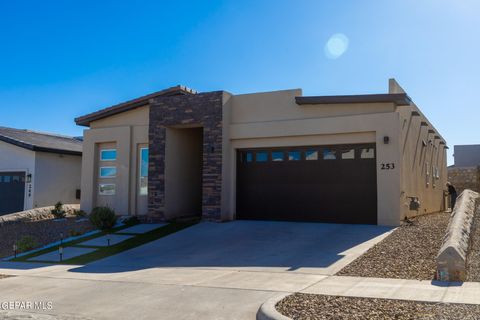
(277, 156)
(311, 155)
(367, 153)
(261, 156)
(6, 179)
(294, 155)
(348, 154)
(329, 154)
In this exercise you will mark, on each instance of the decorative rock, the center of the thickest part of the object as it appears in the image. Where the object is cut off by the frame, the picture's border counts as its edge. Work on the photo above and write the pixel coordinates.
(36, 214)
(451, 259)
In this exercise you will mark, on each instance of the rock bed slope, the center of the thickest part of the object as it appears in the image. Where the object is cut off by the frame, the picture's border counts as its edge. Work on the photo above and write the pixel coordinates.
(473, 257)
(312, 307)
(407, 253)
(44, 232)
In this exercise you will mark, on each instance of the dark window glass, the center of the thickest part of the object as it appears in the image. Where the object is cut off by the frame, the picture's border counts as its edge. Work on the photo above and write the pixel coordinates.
(277, 156)
(294, 155)
(249, 156)
(16, 178)
(6, 179)
(261, 156)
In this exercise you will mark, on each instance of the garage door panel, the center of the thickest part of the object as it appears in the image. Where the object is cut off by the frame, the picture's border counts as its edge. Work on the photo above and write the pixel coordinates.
(337, 190)
(12, 192)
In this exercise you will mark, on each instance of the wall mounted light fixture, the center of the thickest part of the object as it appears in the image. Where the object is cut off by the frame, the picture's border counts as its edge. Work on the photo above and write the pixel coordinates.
(386, 139)
(29, 178)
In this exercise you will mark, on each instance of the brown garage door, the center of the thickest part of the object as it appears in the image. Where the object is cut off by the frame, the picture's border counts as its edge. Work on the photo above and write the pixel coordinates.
(12, 192)
(315, 183)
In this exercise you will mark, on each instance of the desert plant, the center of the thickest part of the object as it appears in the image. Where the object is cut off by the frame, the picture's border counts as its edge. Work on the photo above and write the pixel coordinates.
(26, 243)
(58, 211)
(80, 214)
(103, 218)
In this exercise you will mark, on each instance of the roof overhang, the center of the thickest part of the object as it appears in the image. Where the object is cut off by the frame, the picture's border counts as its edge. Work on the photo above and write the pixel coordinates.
(130, 105)
(399, 99)
(38, 148)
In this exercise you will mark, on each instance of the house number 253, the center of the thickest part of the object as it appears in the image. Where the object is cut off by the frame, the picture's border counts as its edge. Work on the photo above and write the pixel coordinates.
(388, 166)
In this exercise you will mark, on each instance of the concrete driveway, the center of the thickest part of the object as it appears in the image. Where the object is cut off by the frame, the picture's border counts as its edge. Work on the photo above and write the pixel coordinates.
(208, 271)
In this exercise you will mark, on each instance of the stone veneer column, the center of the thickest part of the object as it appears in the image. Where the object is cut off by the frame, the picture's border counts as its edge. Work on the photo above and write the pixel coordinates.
(203, 109)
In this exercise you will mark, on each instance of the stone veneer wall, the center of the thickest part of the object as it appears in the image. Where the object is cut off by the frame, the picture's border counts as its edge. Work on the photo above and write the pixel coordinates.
(203, 109)
(464, 178)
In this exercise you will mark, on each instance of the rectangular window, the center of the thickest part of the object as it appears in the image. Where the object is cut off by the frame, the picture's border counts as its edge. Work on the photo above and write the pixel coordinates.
(311, 155)
(6, 179)
(108, 172)
(261, 156)
(106, 189)
(277, 156)
(249, 156)
(143, 183)
(367, 153)
(108, 155)
(294, 155)
(348, 154)
(329, 154)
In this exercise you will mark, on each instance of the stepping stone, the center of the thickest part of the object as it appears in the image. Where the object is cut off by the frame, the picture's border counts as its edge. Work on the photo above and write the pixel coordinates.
(142, 228)
(68, 253)
(103, 240)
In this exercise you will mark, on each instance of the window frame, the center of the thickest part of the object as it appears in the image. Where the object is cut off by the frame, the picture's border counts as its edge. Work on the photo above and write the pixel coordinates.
(140, 176)
(105, 150)
(107, 184)
(107, 177)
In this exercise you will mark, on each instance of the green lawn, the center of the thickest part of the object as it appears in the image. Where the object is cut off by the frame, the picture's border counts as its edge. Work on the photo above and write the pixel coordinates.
(103, 252)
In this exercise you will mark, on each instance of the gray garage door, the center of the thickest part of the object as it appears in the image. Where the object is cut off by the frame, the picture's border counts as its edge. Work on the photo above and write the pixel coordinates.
(335, 183)
(12, 192)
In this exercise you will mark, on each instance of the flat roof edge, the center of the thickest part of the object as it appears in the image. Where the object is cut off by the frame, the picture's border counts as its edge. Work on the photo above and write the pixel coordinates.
(400, 99)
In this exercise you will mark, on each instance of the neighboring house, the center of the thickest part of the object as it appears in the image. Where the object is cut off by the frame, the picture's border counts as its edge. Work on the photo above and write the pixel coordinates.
(272, 155)
(465, 173)
(467, 155)
(38, 169)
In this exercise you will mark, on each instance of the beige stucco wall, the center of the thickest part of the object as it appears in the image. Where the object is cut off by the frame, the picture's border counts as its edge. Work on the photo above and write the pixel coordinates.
(419, 164)
(13, 158)
(57, 178)
(274, 119)
(127, 131)
(183, 168)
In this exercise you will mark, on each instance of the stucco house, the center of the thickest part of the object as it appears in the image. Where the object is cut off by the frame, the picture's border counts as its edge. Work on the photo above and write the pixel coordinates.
(372, 159)
(38, 169)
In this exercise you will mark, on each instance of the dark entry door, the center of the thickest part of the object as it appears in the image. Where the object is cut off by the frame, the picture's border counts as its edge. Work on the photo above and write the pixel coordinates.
(315, 183)
(12, 192)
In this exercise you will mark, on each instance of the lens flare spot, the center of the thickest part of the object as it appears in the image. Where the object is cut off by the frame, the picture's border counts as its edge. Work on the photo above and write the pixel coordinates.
(336, 46)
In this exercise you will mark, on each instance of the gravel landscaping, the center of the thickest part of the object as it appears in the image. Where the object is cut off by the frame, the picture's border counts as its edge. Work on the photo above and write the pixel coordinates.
(473, 258)
(409, 252)
(42, 232)
(311, 306)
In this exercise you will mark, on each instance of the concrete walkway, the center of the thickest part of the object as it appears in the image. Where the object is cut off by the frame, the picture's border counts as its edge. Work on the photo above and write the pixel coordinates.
(215, 271)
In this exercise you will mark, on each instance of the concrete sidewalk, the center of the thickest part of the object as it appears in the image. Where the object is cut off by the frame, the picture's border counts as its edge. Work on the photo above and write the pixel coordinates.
(430, 291)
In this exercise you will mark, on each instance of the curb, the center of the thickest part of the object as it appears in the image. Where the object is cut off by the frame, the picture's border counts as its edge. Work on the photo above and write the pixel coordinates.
(267, 310)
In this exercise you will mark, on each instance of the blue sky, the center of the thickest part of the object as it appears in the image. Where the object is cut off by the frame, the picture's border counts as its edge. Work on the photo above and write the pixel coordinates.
(63, 59)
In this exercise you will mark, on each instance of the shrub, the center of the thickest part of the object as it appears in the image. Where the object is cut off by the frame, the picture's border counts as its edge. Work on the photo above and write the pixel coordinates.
(58, 212)
(26, 243)
(103, 218)
(80, 213)
(130, 221)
